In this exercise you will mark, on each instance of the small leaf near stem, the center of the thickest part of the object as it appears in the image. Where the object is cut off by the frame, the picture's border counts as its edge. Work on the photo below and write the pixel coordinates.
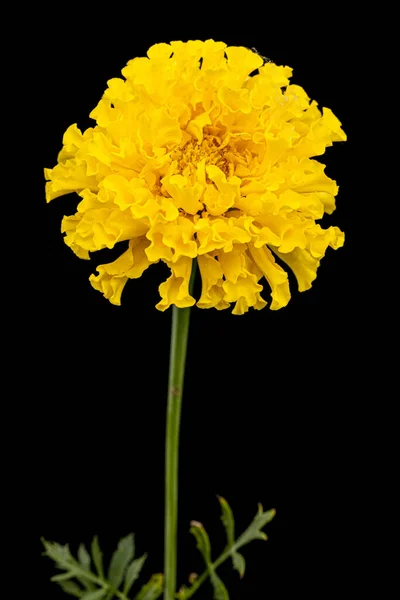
(71, 588)
(202, 539)
(120, 560)
(97, 557)
(65, 576)
(203, 544)
(63, 559)
(253, 532)
(228, 521)
(132, 573)
(84, 557)
(153, 589)
(220, 591)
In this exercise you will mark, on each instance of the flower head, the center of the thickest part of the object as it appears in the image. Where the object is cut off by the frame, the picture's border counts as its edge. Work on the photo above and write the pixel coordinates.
(203, 152)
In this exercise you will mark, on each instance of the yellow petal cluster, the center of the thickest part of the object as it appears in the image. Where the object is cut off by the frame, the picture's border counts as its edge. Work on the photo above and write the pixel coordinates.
(202, 152)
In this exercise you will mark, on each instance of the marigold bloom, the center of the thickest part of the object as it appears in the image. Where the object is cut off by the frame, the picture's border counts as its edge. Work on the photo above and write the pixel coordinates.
(203, 151)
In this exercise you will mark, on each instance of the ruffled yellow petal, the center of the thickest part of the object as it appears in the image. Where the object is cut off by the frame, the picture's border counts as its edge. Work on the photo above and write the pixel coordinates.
(303, 265)
(68, 227)
(133, 195)
(101, 228)
(104, 113)
(66, 178)
(213, 55)
(309, 204)
(338, 135)
(319, 239)
(112, 277)
(171, 240)
(242, 61)
(158, 132)
(274, 274)
(219, 233)
(260, 235)
(196, 126)
(288, 228)
(241, 280)
(186, 196)
(233, 263)
(176, 289)
(189, 51)
(118, 91)
(277, 75)
(221, 196)
(245, 293)
(234, 100)
(317, 134)
(310, 177)
(73, 139)
(212, 294)
(159, 52)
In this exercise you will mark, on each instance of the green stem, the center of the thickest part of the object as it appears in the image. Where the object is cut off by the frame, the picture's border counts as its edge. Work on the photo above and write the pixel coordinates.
(179, 337)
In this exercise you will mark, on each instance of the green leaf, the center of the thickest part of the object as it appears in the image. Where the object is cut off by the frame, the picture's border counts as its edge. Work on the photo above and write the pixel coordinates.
(71, 588)
(58, 553)
(151, 590)
(220, 591)
(87, 584)
(84, 557)
(132, 573)
(203, 544)
(228, 521)
(253, 532)
(202, 540)
(61, 555)
(97, 557)
(84, 560)
(239, 563)
(97, 595)
(120, 560)
(65, 576)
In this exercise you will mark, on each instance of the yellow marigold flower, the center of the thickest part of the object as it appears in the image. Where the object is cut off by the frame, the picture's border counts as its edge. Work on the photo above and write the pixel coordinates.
(203, 152)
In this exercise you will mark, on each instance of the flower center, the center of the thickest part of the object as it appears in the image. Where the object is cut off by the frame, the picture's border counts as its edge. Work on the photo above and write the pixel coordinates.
(211, 149)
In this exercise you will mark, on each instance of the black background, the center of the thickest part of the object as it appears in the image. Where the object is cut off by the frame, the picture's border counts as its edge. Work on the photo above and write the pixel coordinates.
(270, 401)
